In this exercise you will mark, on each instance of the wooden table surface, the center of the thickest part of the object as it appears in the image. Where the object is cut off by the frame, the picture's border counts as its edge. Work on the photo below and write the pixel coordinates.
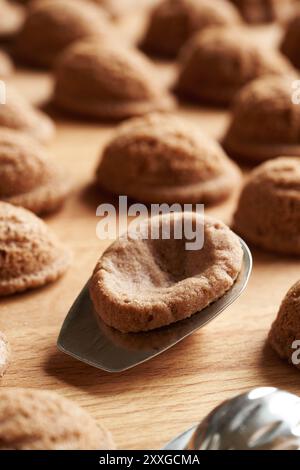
(147, 405)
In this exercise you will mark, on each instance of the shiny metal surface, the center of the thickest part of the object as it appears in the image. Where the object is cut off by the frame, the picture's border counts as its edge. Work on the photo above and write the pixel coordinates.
(263, 419)
(85, 337)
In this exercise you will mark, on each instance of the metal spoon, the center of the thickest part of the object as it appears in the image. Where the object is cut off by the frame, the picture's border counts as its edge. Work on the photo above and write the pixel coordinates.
(264, 418)
(87, 338)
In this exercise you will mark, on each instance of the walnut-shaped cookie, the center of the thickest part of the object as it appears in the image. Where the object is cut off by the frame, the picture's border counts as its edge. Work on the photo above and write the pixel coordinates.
(41, 420)
(268, 212)
(217, 63)
(30, 254)
(108, 81)
(52, 25)
(265, 122)
(161, 158)
(18, 114)
(173, 22)
(143, 282)
(286, 328)
(28, 176)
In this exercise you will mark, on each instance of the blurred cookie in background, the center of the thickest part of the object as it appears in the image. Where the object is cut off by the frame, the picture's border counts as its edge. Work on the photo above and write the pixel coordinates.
(217, 63)
(108, 82)
(265, 122)
(173, 22)
(52, 25)
(17, 113)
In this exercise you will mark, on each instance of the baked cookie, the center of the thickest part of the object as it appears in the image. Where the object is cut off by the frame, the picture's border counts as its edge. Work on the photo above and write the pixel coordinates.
(52, 25)
(264, 11)
(28, 178)
(143, 282)
(108, 81)
(268, 212)
(18, 114)
(6, 65)
(30, 254)
(41, 420)
(166, 160)
(291, 39)
(286, 328)
(173, 22)
(11, 19)
(265, 123)
(217, 63)
(4, 354)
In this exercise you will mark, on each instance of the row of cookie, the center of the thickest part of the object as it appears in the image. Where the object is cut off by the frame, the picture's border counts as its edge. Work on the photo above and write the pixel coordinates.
(170, 161)
(113, 81)
(13, 15)
(173, 23)
(109, 82)
(51, 26)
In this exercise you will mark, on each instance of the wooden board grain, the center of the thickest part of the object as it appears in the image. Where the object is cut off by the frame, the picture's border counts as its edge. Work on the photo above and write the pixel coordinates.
(148, 405)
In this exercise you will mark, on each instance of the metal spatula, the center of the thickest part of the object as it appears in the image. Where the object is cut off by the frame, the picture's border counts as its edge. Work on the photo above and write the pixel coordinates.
(88, 339)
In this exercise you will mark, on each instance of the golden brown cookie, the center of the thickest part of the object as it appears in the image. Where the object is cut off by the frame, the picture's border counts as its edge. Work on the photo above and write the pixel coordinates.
(108, 81)
(30, 254)
(265, 122)
(173, 22)
(160, 158)
(286, 328)
(142, 283)
(6, 65)
(20, 115)
(11, 19)
(268, 212)
(41, 420)
(291, 39)
(264, 11)
(217, 63)
(4, 354)
(52, 25)
(28, 177)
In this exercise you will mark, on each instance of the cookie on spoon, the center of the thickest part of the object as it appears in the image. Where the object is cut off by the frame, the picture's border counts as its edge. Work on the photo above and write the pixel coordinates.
(143, 282)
